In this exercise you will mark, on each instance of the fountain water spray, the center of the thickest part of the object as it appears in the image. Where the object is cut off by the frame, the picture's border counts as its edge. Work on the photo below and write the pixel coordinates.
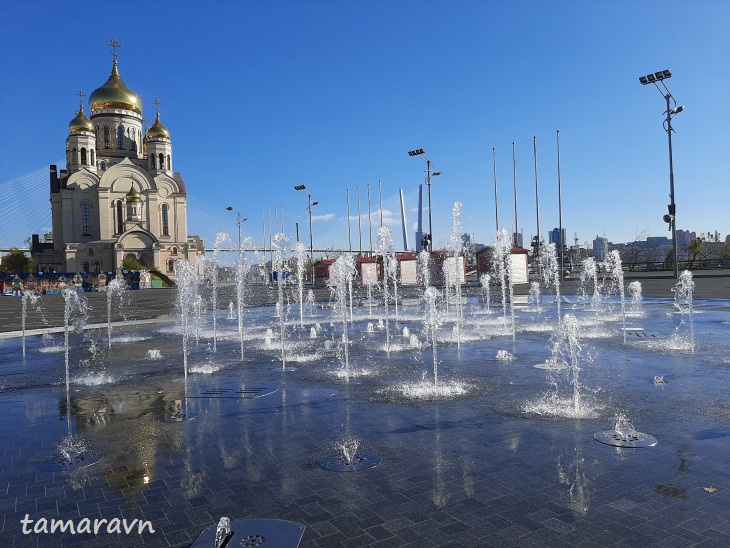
(115, 290)
(424, 268)
(453, 271)
(613, 266)
(369, 279)
(564, 363)
(551, 272)
(385, 247)
(343, 271)
(502, 260)
(187, 284)
(242, 270)
(300, 280)
(589, 274)
(72, 451)
(281, 243)
(635, 290)
(211, 271)
(535, 296)
(34, 299)
(683, 301)
(484, 280)
(431, 322)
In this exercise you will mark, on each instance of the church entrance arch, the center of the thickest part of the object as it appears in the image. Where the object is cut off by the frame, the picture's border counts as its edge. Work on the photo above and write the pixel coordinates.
(138, 245)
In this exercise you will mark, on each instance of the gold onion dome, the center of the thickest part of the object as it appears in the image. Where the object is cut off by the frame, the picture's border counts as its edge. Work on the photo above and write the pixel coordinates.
(114, 94)
(157, 130)
(81, 122)
(133, 195)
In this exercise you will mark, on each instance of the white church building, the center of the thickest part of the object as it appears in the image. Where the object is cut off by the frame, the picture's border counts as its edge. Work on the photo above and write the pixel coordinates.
(118, 197)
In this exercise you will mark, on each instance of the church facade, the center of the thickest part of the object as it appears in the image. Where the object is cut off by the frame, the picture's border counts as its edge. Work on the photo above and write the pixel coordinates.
(118, 197)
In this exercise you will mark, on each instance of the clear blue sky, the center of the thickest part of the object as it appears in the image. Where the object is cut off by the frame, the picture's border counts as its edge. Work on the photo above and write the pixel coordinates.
(262, 96)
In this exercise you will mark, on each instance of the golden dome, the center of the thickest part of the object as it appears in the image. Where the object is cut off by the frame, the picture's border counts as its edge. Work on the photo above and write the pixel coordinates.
(133, 195)
(157, 130)
(114, 94)
(81, 122)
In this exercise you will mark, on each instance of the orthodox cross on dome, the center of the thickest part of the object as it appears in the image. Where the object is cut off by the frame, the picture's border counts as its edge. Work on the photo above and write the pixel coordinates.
(81, 94)
(146, 122)
(114, 45)
(157, 104)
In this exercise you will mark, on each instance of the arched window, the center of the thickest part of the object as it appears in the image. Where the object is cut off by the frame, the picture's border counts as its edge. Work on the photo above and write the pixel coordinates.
(170, 265)
(86, 266)
(165, 223)
(97, 266)
(91, 252)
(169, 163)
(132, 138)
(120, 217)
(152, 161)
(93, 161)
(85, 218)
(107, 137)
(162, 161)
(83, 156)
(120, 136)
(74, 156)
(103, 165)
(174, 251)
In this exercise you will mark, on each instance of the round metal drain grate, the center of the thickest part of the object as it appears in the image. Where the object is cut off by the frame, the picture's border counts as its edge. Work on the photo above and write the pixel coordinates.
(72, 461)
(629, 438)
(360, 461)
(249, 533)
(253, 540)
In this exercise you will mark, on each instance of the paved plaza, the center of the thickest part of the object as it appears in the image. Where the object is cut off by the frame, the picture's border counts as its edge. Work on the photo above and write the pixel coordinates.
(473, 469)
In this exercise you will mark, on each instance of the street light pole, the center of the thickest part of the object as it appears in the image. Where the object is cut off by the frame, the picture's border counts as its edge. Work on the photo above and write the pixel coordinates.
(429, 173)
(310, 204)
(238, 222)
(671, 217)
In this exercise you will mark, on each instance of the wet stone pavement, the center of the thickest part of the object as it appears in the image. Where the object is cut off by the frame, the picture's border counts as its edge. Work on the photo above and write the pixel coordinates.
(469, 470)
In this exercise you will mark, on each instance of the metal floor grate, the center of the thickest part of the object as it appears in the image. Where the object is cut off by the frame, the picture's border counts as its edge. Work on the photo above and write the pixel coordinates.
(74, 460)
(625, 439)
(244, 392)
(268, 533)
(360, 461)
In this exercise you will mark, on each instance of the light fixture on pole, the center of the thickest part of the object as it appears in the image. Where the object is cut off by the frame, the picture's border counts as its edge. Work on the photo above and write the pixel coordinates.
(239, 220)
(429, 166)
(671, 217)
(310, 204)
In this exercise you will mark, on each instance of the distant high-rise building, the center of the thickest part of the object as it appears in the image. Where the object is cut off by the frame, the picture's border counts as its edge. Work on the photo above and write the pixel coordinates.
(600, 248)
(685, 237)
(554, 237)
(517, 239)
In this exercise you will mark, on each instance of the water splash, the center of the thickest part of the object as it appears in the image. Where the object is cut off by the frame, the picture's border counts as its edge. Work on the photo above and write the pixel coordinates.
(116, 291)
(502, 260)
(636, 298)
(683, 301)
(551, 272)
(343, 270)
(563, 374)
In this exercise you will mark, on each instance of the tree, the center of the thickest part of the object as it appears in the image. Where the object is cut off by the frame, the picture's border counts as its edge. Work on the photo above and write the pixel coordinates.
(635, 252)
(704, 246)
(130, 263)
(16, 262)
